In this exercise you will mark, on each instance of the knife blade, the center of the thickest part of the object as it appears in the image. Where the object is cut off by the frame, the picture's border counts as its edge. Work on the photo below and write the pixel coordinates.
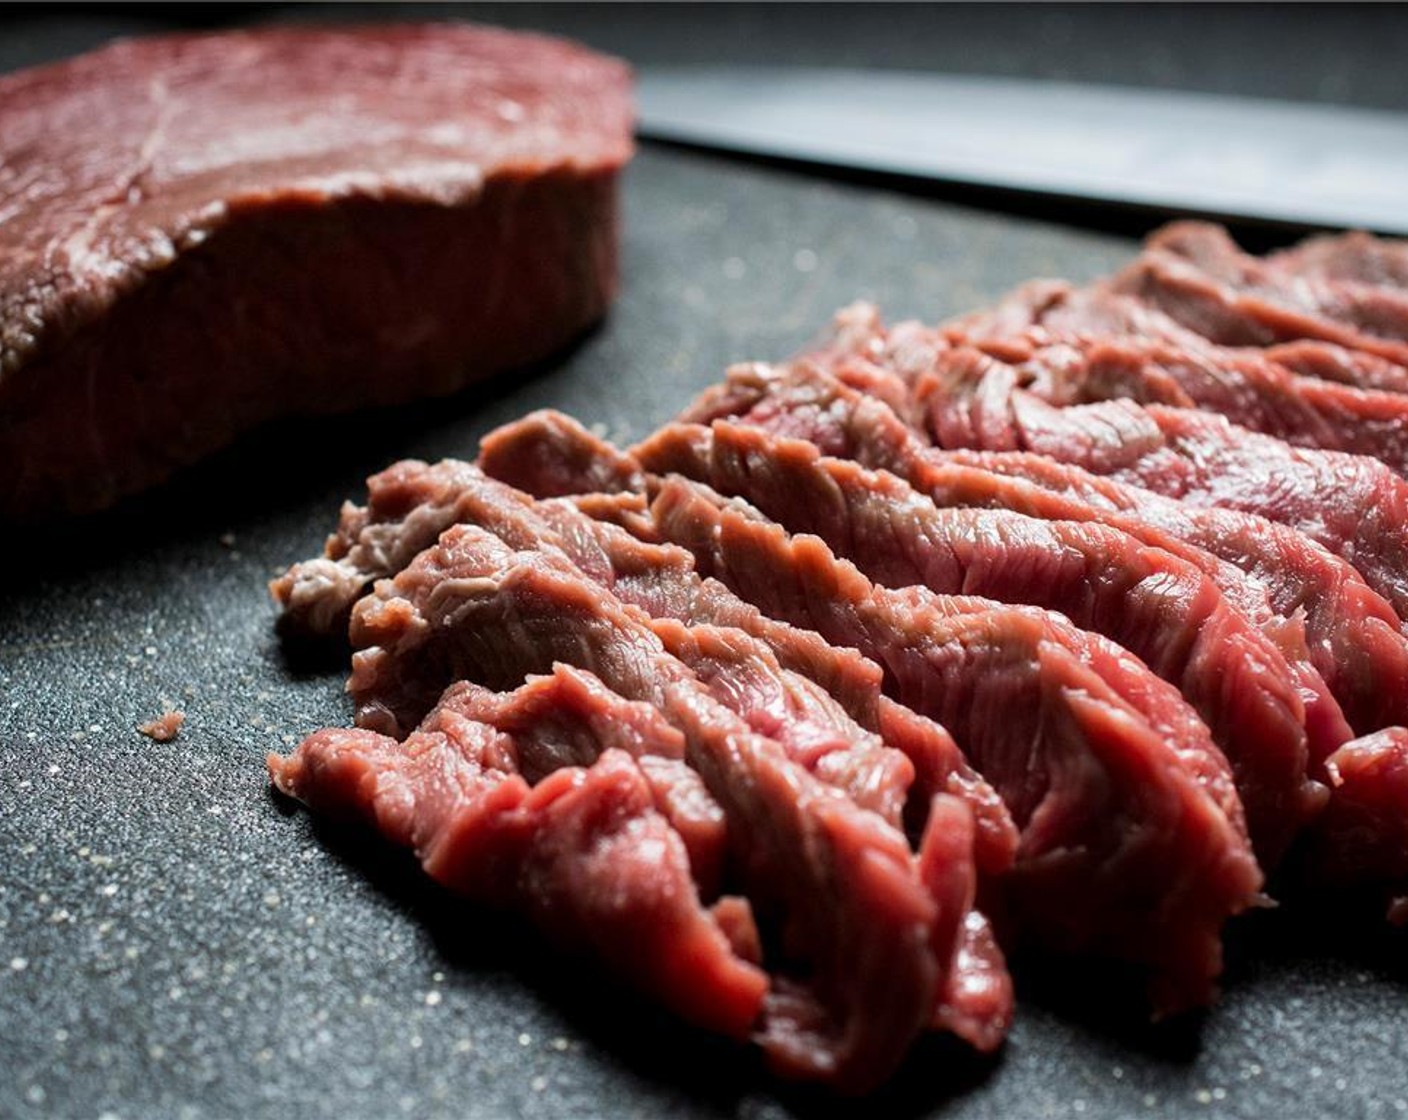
(1232, 157)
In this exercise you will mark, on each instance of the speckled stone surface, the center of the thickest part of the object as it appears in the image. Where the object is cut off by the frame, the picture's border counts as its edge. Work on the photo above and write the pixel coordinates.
(176, 942)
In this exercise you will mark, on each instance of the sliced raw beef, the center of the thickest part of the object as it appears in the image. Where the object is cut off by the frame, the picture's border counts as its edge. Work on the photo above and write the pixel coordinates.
(1049, 311)
(741, 673)
(1362, 840)
(867, 955)
(596, 466)
(1353, 256)
(1243, 386)
(408, 506)
(568, 718)
(1374, 310)
(582, 851)
(1329, 362)
(807, 402)
(1351, 635)
(1141, 547)
(1353, 505)
(1161, 609)
(1357, 631)
(1252, 316)
(835, 738)
(202, 233)
(1354, 638)
(662, 582)
(687, 451)
(970, 658)
(1198, 850)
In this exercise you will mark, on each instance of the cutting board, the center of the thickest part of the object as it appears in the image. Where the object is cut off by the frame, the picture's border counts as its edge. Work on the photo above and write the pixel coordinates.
(177, 941)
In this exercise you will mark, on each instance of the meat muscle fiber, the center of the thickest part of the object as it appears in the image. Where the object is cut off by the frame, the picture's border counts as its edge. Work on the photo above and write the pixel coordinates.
(1047, 310)
(482, 793)
(1179, 820)
(963, 659)
(1353, 505)
(411, 503)
(1377, 310)
(1351, 256)
(1245, 387)
(202, 233)
(882, 959)
(1321, 608)
(1163, 610)
(806, 401)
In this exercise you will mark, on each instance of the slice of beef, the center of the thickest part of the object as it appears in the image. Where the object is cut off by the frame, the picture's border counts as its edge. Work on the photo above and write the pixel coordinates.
(408, 506)
(968, 658)
(1373, 311)
(1329, 362)
(1041, 310)
(569, 718)
(206, 232)
(1355, 640)
(744, 675)
(866, 961)
(1355, 256)
(596, 464)
(742, 671)
(1362, 840)
(1152, 699)
(711, 619)
(1005, 680)
(1319, 640)
(1336, 634)
(1256, 316)
(1243, 386)
(561, 441)
(1355, 506)
(1161, 609)
(1350, 836)
(582, 852)
(1049, 311)
(382, 538)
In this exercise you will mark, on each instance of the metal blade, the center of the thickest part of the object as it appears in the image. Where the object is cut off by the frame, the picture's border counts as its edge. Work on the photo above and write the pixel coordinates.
(1312, 165)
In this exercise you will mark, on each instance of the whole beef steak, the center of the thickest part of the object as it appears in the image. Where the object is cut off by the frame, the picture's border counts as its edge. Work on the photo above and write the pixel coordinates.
(200, 233)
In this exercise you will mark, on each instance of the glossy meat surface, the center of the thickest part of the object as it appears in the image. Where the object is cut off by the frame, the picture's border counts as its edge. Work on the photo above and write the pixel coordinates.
(843, 885)
(205, 232)
(1165, 612)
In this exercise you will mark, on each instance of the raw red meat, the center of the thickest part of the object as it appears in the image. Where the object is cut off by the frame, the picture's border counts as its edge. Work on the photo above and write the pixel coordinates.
(1164, 611)
(730, 658)
(1350, 256)
(1353, 505)
(202, 233)
(868, 959)
(964, 660)
(1048, 311)
(1244, 386)
(806, 402)
(829, 709)
(581, 848)
(1249, 314)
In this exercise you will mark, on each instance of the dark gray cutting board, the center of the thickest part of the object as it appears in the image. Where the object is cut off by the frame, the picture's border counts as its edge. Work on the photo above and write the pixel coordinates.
(174, 941)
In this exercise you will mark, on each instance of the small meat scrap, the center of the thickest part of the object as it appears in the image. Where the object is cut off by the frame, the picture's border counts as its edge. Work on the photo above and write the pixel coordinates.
(165, 727)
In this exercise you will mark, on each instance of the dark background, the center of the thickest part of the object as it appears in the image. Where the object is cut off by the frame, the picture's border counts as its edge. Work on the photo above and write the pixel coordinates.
(175, 942)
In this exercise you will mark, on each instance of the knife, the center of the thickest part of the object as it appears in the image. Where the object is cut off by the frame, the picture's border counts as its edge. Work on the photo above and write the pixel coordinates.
(1195, 153)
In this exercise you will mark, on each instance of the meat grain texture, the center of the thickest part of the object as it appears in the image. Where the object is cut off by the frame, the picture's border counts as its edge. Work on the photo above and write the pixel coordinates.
(203, 233)
(1053, 630)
